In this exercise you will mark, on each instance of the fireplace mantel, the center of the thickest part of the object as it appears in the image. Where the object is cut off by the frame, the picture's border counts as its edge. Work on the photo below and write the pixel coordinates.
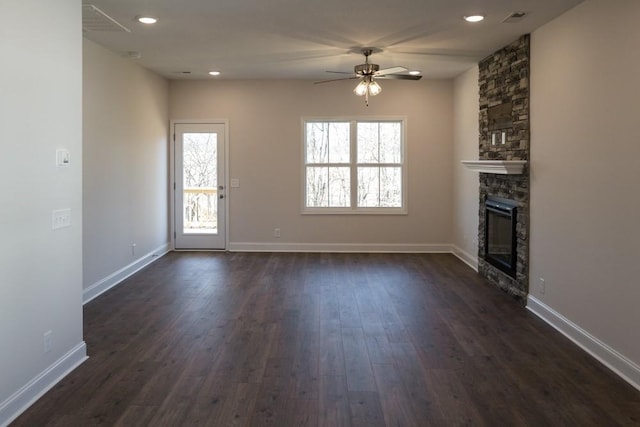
(501, 167)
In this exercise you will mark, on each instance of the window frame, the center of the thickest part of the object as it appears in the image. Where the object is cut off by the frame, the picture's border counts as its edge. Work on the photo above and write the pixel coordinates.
(353, 166)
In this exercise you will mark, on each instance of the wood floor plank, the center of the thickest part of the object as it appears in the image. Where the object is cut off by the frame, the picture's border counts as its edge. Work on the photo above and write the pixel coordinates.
(239, 406)
(334, 409)
(365, 409)
(321, 339)
(331, 361)
(275, 389)
(394, 400)
(356, 359)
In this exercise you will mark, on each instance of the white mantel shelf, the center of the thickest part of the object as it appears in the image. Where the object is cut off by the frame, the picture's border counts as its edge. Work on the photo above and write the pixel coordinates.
(501, 167)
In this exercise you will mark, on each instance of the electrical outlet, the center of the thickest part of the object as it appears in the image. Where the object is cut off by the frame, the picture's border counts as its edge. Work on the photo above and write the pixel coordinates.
(276, 232)
(47, 341)
(542, 286)
(133, 249)
(60, 218)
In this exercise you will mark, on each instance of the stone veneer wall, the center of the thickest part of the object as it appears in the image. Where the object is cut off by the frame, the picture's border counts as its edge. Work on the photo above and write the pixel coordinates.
(504, 77)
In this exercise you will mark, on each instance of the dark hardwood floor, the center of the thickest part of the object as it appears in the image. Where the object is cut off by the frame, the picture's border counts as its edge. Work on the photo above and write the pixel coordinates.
(227, 339)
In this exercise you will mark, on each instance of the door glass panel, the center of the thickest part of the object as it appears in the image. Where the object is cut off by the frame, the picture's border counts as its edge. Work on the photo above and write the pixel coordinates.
(200, 207)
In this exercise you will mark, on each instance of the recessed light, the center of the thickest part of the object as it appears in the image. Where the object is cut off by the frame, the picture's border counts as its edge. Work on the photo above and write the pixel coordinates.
(474, 18)
(146, 19)
(414, 73)
(214, 73)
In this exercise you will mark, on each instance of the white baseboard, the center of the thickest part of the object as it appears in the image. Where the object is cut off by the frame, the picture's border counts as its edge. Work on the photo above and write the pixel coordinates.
(466, 257)
(338, 247)
(114, 279)
(625, 368)
(15, 405)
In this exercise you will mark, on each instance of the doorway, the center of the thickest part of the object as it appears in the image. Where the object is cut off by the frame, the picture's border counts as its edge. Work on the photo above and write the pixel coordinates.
(199, 202)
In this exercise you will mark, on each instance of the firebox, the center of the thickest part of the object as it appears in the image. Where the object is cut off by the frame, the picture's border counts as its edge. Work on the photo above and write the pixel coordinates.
(500, 234)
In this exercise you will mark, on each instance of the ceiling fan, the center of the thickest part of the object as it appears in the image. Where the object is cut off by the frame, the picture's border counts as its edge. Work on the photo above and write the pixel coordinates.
(368, 73)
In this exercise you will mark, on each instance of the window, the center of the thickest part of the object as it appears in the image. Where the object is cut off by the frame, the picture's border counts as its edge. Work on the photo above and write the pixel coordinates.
(354, 166)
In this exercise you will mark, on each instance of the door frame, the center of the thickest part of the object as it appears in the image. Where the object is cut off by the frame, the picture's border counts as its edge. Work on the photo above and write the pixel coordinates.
(172, 176)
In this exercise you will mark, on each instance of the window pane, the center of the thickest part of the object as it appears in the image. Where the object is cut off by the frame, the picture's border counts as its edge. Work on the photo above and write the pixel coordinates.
(390, 187)
(317, 187)
(368, 143)
(339, 142)
(317, 149)
(368, 187)
(390, 142)
(339, 187)
(200, 160)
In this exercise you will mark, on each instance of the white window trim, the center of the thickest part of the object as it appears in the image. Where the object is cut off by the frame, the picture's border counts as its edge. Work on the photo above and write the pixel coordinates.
(354, 210)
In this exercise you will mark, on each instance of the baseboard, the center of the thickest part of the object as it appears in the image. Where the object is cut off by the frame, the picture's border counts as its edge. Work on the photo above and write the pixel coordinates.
(114, 279)
(625, 368)
(466, 257)
(15, 405)
(338, 247)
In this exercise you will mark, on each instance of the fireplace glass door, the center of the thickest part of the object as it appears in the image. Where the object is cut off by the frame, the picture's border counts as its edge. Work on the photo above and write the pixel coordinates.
(500, 234)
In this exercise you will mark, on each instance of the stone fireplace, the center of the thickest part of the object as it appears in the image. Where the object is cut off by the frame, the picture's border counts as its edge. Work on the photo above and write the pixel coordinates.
(504, 135)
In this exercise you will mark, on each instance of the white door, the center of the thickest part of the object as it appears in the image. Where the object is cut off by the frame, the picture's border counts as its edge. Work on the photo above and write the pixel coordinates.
(200, 195)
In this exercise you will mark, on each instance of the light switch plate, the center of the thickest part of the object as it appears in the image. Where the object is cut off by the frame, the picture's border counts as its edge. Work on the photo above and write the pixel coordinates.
(63, 158)
(235, 183)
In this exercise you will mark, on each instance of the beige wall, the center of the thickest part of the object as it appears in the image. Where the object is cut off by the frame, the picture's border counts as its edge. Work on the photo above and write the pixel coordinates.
(265, 155)
(585, 197)
(465, 183)
(125, 175)
(40, 268)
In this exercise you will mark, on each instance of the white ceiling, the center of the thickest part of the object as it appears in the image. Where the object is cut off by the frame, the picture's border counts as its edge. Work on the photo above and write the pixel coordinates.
(301, 39)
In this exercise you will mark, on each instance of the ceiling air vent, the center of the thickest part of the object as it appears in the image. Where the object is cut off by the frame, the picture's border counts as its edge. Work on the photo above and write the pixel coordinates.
(132, 54)
(93, 19)
(515, 17)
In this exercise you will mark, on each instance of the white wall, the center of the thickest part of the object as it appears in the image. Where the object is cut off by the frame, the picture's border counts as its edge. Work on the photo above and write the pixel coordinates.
(125, 179)
(466, 185)
(40, 269)
(585, 197)
(265, 155)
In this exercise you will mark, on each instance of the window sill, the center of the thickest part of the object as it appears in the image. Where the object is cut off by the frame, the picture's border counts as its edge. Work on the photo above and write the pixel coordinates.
(362, 211)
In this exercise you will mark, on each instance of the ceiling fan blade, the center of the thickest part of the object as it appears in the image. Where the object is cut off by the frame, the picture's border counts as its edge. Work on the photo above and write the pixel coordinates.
(340, 72)
(391, 70)
(399, 76)
(451, 54)
(335, 80)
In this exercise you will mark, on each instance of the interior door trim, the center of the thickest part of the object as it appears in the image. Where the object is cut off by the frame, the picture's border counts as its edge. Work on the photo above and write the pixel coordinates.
(172, 175)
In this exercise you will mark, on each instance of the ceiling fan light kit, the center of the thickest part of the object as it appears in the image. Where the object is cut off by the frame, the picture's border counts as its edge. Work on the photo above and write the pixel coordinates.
(367, 87)
(374, 88)
(367, 73)
(361, 89)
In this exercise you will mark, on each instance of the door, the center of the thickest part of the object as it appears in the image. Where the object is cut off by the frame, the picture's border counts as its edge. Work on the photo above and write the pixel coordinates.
(199, 186)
